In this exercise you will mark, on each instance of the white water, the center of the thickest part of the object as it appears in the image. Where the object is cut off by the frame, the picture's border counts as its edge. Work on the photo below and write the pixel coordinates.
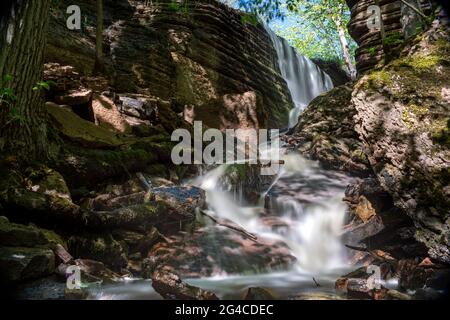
(304, 78)
(313, 227)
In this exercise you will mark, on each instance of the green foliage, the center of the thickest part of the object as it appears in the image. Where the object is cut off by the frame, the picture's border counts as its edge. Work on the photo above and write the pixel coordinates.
(314, 31)
(372, 51)
(249, 18)
(7, 96)
(393, 39)
(43, 85)
(179, 7)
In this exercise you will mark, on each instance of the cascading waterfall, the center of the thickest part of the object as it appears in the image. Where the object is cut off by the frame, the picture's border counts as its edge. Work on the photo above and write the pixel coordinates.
(304, 198)
(313, 230)
(304, 78)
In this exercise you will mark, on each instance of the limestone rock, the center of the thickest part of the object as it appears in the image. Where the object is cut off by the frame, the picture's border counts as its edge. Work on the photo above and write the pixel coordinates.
(325, 132)
(403, 120)
(79, 130)
(372, 50)
(207, 58)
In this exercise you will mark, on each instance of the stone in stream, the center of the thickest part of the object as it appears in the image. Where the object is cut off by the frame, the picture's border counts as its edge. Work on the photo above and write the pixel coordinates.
(101, 247)
(216, 250)
(256, 293)
(21, 263)
(170, 286)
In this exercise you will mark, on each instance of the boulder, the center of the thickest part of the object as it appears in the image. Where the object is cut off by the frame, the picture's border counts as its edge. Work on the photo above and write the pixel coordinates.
(170, 286)
(75, 97)
(217, 250)
(80, 131)
(255, 293)
(21, 263)
(102, 248)
(14, 234)
(107, 114)
(91, 271)
(325, 132)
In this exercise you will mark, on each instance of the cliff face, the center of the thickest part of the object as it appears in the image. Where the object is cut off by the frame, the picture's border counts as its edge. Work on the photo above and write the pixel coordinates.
(200, 58)
(403, 120)
(398, 21)
(393, 124)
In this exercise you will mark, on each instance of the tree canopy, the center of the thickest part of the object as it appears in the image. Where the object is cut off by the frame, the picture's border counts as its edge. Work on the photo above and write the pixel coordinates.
(317, 28)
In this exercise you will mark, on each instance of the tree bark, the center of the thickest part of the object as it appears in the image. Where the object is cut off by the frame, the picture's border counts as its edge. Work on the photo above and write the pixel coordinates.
(99, 59)
(344, 45)
(23, 28)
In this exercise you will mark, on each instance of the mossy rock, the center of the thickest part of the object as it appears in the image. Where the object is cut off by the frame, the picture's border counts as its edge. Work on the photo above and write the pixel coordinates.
(21, 263)
(14, 234)
(81, 131)
(100, 247)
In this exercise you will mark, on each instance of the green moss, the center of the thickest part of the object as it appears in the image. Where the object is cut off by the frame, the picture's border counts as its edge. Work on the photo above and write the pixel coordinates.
(441, 133)
(379, 79)
(419, 63)
(76, 129)
(53, 238)
(372, 51)
(393, 39)
(359, 155)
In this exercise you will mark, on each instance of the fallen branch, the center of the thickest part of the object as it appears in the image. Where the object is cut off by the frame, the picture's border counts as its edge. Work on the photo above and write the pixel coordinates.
(414, 8)
(144, 181)
(356, 248)
(317, 284)
(377, 254)
(247, 234)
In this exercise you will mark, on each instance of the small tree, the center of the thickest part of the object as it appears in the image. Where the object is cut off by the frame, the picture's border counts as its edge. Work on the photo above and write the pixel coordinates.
(99, 65)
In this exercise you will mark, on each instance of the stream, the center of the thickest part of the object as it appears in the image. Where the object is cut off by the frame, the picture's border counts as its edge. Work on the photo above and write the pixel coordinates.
(302, 207)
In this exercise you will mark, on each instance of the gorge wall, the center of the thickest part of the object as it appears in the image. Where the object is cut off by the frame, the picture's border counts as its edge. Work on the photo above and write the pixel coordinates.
(200, 58)
(398, 22)
(393, 125)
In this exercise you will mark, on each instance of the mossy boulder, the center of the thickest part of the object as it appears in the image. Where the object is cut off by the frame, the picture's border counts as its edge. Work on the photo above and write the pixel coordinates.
(14, 234)
(100, 247)
(22, 263)
(325, 132)
(78, 130)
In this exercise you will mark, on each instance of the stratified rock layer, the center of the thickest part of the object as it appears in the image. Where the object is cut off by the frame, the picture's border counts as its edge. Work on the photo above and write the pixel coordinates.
(372, 49)
(403, 119)
(199, 57)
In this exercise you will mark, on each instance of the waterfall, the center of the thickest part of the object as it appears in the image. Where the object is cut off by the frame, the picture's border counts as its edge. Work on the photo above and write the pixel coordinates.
(304, 78)
(313, 226)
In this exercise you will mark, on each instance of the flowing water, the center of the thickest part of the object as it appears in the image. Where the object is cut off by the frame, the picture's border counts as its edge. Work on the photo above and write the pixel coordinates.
(302, 208)
(305, 79)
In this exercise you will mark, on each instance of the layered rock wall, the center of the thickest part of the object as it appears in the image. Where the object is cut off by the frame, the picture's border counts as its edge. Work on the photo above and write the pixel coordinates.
(199, 56)
(396, 26)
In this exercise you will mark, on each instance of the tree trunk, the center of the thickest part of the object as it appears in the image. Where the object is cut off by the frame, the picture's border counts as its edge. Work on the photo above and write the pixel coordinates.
(23, 28)
(99, 60)
(345, 49)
